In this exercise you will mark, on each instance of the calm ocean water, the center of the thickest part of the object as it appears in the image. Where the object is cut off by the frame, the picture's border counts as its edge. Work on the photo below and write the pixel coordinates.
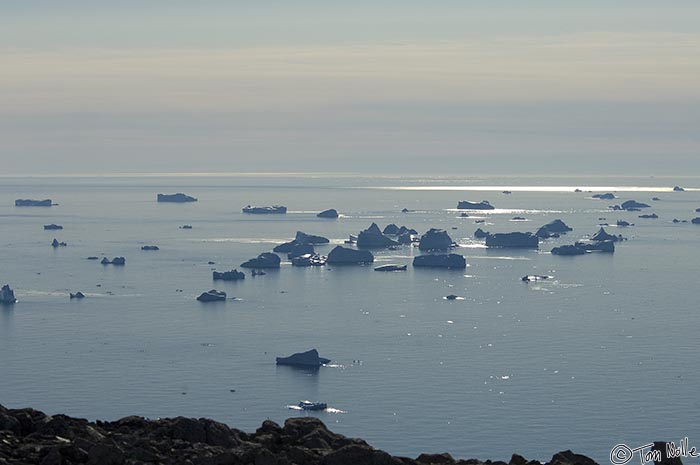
(605, 353)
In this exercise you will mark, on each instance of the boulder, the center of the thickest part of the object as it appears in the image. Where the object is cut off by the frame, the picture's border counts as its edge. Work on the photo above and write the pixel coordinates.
(77, 295)
(150, 247)
(52, 227)
(33, 203)
(186, 226)
(55, 243)
(602, 235)
(391, 229)
(467, 205)
(513, 240)
(435, 239)
(7, 295)
(233, 275)
(301, 249)
(608, 196)
(372, 238)
(309, 358)
(119, 261)
(452, 260)
(652, 216)
(264, 260)
(480, 234)
(212, 296)
(330, 213)
(175, 198)
(342, 255)
(303, 238)
(623, 223)
(678, 189)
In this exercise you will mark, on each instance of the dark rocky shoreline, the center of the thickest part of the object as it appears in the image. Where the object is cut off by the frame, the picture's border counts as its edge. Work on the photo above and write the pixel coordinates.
(28, 436)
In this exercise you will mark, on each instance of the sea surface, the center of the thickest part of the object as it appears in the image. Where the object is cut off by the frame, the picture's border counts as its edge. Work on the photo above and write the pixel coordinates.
(605, 352)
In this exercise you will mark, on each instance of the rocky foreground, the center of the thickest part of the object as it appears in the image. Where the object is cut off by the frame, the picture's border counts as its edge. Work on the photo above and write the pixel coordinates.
(28, 436)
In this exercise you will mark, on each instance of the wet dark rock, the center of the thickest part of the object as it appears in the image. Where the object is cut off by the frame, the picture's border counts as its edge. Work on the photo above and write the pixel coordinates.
(7, 296)
(175, 198)
(233, 275)
(330, 213)
(655, 199)
(33, 203)
(513, 240)
(341, 255)
(150, 247)
(77, 295)
(264, 260)
(30, 437)
(607, 196)
(678, 189)
(93, 257)
(186, 226)
(480, 234)
(372, 238)
(602, 235)
(391, 267)
(310, 358)
(55, 243)
(435, 239)
(453, 261)
(212, 296)
(52, 227)
(623, 224)
(118, 261)
(553, 229)
(467, 205)
(652, 216)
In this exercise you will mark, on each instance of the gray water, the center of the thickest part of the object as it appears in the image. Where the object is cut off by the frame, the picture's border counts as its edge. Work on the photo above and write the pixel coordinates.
(604, 353)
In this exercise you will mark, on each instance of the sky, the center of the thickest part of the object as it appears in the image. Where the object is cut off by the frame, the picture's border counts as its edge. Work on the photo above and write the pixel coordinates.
(435, 87)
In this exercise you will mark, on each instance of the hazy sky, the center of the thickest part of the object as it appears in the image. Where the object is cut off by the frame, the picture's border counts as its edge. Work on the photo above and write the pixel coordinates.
(453, 87)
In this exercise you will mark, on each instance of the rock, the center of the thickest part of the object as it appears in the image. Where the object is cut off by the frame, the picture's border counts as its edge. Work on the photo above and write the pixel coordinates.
(301, 249)
(436, 459)
(391, 229)
(608, 196)
(553, 229)
(467, 205)
(506, 192)
(602, 235)
(233, 275)
(275, 209)
(186, 226)
(341, 255)
(33, 203)
(7, 296)
(52, 227)
(264, 260)
(513, 240)
(55, 243)
(623, 224)
(518, 218)
(330, 213)
(678, 189)
(405, 210)
(480, 234)
(119, 261)
(150, 247)
(391, 267)
(309, 358)
(652, 216)
(451, 297)
(257, 273)
(77, 295)
(695, 221)
(435, 239)
(372, 238)
(176, 198)
(568, 250)
(697, 210)
(93, 257)
(404, 230)
(630, 205)
(452, 260)
(212, 296)
(303, 238)
(569, 458)
(655, 199)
